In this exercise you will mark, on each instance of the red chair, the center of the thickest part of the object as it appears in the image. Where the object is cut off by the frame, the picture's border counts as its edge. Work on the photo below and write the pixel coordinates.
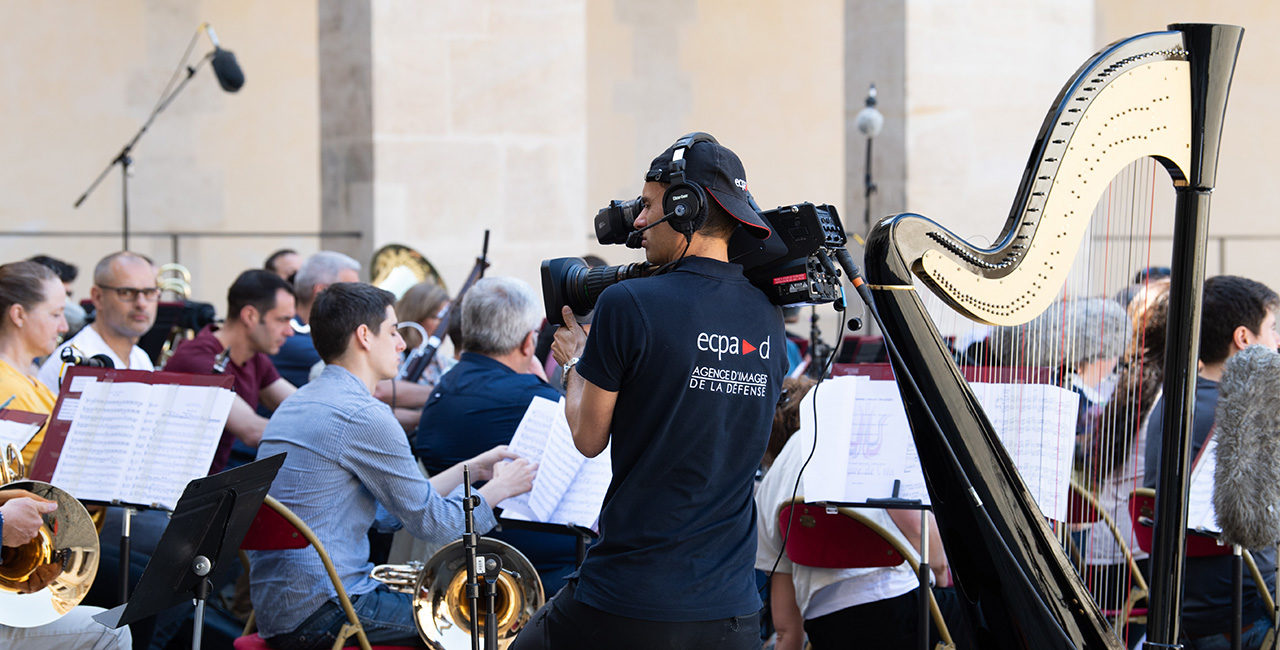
(276, 528)
(1142, 510)
(847, 539)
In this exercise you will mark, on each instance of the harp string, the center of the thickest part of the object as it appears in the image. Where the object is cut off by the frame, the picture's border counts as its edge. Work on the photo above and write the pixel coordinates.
(1086, 342)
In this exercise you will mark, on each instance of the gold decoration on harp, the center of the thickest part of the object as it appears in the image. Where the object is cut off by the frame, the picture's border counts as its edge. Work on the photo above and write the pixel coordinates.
(441, 609)
(396, 267)
(46, 577)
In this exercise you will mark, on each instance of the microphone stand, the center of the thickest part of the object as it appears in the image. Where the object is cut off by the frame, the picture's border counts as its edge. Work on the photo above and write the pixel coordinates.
(124, 159)
(469, 542)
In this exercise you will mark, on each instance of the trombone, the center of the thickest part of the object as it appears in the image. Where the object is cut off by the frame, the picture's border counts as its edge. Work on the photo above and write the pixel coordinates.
(44, 578)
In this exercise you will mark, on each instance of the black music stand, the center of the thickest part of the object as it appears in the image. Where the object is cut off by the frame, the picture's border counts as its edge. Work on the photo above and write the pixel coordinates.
(203, 536)
(581, 534)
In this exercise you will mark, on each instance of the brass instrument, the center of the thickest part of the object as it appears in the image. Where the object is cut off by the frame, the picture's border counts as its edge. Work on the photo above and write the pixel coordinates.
(396, 267)
(174, 281)
(441, 610)
(46, 577)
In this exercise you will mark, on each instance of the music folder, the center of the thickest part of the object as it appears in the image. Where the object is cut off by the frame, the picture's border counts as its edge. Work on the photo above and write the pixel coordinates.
(131, 437)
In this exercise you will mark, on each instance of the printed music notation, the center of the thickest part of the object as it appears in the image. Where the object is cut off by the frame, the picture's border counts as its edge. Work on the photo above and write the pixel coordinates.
(140, 443)
(17, 431)
(569, 488)
(865, 442)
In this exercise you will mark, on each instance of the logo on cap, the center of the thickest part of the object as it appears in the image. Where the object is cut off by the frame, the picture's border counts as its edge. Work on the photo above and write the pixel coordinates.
(742, 185)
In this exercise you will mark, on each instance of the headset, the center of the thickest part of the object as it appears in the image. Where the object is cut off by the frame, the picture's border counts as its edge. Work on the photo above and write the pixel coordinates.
(684, 205)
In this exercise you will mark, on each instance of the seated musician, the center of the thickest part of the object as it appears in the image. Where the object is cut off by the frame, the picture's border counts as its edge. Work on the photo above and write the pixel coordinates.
(297, 355)
(1237, 312)
(346, 456)
(31, 299)
(842, 608)
(20, 522)
(422, 304)
(284, 263)
(259, 308)
(480, 402)
(125, 297)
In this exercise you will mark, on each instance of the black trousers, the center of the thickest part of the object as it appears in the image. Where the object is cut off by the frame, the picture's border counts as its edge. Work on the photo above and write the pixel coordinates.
(889, 624)
(566, 624)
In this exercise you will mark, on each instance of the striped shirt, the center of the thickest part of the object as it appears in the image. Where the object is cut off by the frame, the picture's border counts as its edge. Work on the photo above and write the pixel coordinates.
(347, 455)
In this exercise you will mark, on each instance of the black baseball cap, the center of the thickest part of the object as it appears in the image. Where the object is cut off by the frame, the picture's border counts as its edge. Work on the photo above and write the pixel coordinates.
(718, 171)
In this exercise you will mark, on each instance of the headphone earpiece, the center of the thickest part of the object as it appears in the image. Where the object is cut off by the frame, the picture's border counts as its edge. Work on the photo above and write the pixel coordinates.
(686, 202)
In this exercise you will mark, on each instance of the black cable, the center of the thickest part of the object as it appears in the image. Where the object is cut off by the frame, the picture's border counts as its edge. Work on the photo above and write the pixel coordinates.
(795, 489)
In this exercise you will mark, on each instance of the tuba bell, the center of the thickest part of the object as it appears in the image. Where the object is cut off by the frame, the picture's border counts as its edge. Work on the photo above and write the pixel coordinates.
(46, 577)
(441, 609)
(396, 267)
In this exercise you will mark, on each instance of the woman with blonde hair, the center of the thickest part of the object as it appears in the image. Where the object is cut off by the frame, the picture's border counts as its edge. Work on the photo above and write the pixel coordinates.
(32, 299)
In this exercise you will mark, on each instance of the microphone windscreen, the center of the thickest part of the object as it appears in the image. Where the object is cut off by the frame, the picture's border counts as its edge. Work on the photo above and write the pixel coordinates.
(229, 74)
(1246, 480)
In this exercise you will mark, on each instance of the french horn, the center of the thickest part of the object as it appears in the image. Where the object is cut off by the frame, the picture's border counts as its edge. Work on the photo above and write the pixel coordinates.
(46, 577)
(441, 609)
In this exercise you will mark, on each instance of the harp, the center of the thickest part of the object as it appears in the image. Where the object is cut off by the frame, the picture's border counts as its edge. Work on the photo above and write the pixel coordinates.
(1158, 96)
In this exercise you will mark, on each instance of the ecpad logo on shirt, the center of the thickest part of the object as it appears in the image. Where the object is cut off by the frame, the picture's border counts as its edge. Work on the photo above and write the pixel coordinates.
(723, 344)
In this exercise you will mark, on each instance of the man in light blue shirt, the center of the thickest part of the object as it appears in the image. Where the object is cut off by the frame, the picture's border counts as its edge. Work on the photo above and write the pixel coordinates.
(346, 456)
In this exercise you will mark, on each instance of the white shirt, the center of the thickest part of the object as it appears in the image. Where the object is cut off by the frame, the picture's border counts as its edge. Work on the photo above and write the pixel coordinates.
(821, 591)
(89, 342)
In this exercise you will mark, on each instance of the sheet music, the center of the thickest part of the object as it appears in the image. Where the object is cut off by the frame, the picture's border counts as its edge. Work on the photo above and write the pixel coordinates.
(1036, 422)
(859, 450)
(569, 487)
(17, 433)
(141, 443)
(1201, 514)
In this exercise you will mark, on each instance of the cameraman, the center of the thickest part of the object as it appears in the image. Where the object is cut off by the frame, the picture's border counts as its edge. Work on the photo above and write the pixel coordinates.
(681, 373)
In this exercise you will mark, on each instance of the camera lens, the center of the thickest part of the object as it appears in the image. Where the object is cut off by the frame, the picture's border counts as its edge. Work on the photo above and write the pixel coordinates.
(616, 220)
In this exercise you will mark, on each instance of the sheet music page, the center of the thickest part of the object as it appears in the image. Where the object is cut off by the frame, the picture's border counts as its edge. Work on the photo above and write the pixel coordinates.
(1037, 424)
(529, 441)
(97, 455)
(141, 443)
(16, 433)
(862, 443)
(882, 401)
(1201, 514)
(186, 424)
(582, 502)
(560, 463)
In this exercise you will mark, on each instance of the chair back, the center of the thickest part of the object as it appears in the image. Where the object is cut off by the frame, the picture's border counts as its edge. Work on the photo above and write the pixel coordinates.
(1142, 509)
(272, 531)
(832, 540)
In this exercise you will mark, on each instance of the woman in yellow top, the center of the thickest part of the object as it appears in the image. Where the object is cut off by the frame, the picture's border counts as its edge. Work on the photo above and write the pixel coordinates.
(31, 322)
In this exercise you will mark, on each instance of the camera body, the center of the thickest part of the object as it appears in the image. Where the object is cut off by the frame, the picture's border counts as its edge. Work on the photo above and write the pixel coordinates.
(792, 266)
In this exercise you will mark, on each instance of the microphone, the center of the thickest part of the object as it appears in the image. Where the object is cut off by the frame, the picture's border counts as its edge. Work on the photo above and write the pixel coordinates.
(1246, 479)
(74, 357)
(229, 74)
(636, 237)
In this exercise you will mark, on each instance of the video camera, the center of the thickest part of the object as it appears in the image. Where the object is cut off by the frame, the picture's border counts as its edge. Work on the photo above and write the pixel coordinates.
(792, 266)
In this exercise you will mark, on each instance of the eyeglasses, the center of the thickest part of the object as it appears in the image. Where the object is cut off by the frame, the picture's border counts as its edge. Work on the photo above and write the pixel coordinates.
(130, 294)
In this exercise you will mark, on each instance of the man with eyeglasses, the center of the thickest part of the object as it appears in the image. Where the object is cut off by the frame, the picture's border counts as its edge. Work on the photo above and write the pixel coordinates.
(124, 297)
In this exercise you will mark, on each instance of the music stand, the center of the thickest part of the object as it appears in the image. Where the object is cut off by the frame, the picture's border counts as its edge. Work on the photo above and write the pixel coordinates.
(203, 536)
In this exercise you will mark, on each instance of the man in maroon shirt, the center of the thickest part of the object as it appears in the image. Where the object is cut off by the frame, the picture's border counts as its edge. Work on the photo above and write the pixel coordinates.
(259, 307)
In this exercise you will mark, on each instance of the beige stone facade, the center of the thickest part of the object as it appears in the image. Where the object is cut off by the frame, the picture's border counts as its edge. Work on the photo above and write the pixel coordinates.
(424, 122)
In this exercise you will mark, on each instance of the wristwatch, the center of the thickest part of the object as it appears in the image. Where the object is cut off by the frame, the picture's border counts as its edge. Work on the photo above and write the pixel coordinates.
(564, 372)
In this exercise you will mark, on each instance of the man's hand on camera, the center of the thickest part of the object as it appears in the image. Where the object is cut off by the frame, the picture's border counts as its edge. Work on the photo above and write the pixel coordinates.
(571, 339)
